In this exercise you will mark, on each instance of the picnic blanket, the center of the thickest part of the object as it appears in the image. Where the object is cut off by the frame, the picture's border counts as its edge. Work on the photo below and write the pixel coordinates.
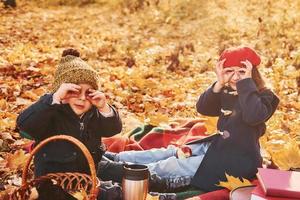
(148, 136)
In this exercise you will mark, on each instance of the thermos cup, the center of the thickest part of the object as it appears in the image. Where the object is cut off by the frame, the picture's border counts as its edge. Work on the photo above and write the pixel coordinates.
(135, 182)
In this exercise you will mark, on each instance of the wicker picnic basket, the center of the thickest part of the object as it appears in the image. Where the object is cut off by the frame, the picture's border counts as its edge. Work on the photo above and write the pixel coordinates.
(68, 181)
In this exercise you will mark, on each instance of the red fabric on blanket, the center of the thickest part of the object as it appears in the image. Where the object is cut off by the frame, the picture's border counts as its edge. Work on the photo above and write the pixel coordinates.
(176, 136)
(120, 143)
(215, 195)
(158, 138)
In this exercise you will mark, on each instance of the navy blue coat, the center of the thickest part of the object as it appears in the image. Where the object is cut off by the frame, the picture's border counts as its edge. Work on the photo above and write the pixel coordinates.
(42, 120)
(242, 117)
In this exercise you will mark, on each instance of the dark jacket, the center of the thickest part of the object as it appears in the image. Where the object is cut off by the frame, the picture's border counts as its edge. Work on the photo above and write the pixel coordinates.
(42, 120)
(242, 117)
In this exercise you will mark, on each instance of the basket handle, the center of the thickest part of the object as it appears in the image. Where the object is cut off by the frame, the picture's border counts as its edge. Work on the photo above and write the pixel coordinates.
(82, 147)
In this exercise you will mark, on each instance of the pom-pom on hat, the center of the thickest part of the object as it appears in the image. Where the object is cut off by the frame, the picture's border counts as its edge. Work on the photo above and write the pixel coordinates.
(72, 69)
(234, 57)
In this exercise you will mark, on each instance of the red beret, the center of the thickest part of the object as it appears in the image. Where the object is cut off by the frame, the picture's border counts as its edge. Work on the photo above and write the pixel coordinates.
(234, 56)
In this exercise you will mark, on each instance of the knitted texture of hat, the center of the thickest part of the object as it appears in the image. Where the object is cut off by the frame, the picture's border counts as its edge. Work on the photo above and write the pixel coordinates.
(73, 69)
(234, 57)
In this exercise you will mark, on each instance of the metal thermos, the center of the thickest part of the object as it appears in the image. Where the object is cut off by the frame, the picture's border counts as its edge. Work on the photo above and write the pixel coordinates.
(135, 182)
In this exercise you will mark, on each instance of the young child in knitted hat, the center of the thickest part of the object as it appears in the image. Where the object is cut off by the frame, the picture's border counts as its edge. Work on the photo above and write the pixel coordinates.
(75, 107)
(243, 104)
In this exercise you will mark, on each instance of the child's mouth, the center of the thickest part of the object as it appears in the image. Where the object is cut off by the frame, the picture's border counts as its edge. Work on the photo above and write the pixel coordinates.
(80, 107)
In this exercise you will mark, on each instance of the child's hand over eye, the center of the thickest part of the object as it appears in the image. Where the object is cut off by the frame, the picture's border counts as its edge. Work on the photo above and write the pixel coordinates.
(64, 91)
(220, 73)
(99, 100)
(248, 69)
(222, 79)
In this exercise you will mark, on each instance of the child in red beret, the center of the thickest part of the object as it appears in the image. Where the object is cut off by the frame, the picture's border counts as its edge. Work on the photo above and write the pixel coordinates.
(243, 104)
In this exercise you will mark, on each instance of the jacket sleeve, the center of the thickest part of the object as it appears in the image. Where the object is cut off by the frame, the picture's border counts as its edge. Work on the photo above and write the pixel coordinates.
(209, 103)
(107, 126)
(35, 122)
(256, 107)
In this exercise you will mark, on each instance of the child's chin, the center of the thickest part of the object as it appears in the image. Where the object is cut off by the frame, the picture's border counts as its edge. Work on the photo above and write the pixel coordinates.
(79, 112)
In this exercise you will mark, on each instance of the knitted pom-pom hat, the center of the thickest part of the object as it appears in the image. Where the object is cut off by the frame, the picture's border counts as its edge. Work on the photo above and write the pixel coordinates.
(72, 69)
(234, 57)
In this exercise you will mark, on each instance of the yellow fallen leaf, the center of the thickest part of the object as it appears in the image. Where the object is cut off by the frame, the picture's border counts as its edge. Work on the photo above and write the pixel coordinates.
(211, 124)
(3, 104)
(150, 197)
(155, 120)
(80, 195)
(33, 194)
(287, 157)
(233, 182)
(17, 160)
(31, 95)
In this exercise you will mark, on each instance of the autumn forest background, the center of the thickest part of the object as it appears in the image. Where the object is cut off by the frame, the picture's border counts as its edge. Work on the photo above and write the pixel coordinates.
(154, 57)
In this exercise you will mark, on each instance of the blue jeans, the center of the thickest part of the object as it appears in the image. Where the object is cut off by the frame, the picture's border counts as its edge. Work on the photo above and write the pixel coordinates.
(164, 162)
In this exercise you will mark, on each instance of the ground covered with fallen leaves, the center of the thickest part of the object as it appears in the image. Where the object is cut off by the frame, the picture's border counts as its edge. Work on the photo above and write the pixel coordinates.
(154, 57)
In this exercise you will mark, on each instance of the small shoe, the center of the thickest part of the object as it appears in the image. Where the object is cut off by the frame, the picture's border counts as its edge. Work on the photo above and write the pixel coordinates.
(157, 184)
(174, 183)
(110, 170)
(110, 155)
(163, 196)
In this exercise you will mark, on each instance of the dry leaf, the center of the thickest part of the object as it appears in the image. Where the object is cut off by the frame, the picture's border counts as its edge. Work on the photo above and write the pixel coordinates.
(233, 182)
(3, 104)
(211, 124)
(150, 197)
(31, 95)
(17, 160)
(80, 195)
(287, 157)
(156, 119)
(33, 194)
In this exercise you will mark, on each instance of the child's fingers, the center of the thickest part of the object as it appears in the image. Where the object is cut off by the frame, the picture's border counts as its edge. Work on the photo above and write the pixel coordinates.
(220, 64)
(228, 78)
(93, 93)
(72, 85)
(99, 96)
(247, 64)
(96, 92)
(250, 66)
(223, 61)
(92, 90)
(73, 89)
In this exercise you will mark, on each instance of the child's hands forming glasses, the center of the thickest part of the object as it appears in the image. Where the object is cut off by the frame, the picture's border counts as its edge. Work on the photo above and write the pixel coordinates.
(247, 70)
(65, 91)
(70, 90)
(98, 99)
(221, 72)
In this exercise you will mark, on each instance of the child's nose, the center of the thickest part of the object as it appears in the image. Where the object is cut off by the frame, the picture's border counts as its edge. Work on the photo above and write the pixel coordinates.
(82, 96)
(236, 76)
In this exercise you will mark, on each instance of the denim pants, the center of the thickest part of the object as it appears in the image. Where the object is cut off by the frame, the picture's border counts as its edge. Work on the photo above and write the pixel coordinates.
(163, 161)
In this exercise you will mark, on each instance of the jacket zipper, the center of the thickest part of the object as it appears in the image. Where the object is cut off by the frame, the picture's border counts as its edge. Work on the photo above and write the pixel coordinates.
(81, 126)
